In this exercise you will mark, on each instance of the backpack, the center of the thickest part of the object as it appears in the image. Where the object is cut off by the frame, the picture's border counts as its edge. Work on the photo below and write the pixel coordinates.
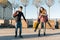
(15, 14)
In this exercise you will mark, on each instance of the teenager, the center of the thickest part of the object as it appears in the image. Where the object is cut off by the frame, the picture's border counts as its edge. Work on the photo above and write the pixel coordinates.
(18, 14)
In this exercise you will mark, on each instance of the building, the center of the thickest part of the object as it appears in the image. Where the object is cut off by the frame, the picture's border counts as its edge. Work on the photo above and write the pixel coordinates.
(5, 13)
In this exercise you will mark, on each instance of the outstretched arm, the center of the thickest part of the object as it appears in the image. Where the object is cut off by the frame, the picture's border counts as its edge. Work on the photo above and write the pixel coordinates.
(23, 16)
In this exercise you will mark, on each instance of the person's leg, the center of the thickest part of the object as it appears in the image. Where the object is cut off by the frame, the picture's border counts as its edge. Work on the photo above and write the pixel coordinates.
(36, 26)
(50, 25)
(20, 31)
(16, 29)
(39, 29)
(39, 32)
(44, 28)
(42, 25)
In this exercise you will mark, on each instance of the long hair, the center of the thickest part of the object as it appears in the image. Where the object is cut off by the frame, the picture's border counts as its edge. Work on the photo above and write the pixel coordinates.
(40, 11)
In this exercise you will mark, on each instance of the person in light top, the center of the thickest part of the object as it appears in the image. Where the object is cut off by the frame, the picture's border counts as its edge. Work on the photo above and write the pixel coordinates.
(42, 19)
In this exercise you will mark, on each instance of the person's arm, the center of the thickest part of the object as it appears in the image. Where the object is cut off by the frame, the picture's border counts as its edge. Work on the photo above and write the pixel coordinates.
(15, 14)
(23, 16)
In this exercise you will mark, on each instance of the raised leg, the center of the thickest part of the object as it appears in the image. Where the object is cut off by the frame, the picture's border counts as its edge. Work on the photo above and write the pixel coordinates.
(36, 27)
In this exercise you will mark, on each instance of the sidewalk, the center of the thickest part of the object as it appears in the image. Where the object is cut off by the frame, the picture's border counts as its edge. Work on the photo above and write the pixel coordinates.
(29, 34)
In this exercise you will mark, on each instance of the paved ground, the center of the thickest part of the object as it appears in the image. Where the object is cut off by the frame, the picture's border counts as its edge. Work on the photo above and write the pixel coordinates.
(29, 34)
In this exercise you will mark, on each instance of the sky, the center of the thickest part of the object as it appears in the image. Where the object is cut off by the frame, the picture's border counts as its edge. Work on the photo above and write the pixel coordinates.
(31, 10)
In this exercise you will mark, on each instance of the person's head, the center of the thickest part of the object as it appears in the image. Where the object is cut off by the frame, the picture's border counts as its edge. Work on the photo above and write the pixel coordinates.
(42, 10)
(20, 8)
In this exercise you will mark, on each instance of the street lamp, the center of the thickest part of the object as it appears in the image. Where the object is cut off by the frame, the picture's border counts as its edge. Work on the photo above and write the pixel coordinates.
(37, 3)
(49, 3)
(14, 6)
(25, 3)
(58, 1)
(4, 5)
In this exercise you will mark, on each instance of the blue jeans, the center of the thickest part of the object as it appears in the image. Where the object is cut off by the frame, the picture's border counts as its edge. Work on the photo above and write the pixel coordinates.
(18, 24)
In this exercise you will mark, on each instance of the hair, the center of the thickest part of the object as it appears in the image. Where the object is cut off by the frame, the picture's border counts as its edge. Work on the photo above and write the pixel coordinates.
(21, 7)
(41, 10)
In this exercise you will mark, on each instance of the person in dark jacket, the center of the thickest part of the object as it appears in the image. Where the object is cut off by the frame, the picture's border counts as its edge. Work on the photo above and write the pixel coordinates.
(18, 14)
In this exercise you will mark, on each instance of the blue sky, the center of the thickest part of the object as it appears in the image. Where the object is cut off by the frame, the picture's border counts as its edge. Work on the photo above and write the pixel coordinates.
(31, 10)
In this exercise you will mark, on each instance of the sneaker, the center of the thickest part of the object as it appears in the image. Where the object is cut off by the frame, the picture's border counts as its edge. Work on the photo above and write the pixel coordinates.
(15, 35)
(21, 36)
(38, 35)
(44, 34)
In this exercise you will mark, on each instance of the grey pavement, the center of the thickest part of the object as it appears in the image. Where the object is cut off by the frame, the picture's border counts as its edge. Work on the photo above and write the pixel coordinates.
(29, 34)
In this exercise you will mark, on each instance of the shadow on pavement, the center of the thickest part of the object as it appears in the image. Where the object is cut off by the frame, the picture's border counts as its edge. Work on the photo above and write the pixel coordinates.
(26, 36)
(52, 34)
(8, 38)
(36, 35)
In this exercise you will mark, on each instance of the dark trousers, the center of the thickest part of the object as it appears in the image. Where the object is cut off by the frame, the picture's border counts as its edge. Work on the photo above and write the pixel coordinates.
(37, 26)
(18, 25)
